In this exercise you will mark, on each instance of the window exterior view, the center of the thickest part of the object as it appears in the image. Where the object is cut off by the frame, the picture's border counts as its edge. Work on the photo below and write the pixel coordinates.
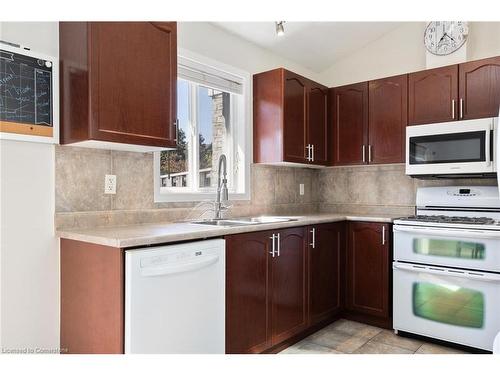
(204, 134)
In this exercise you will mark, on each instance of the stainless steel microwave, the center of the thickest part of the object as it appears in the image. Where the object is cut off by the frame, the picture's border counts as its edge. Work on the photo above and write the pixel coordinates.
(457, 149)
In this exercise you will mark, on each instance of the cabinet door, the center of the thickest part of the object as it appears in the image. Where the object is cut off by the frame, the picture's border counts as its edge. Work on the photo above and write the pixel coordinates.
(368, 269)
(317, 123)
(433, 95)
(326, 249)
(387, 120)
(350, 123)
(289, 285)
(294, 118)
(247, 307)
(479, 87)
(133, 82)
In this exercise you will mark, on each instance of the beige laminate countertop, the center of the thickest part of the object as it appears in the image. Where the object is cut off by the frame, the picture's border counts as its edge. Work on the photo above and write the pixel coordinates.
(160, 233)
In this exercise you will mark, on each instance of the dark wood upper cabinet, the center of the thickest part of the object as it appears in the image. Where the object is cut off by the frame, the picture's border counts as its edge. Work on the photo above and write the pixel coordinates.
(433, 95)
(290, 119)
(118, 82)
(247, 293)
(317, 129)
(349, 106)
(368, 269)
(387, 116)
(294, 118)
(289, 285)
(326, 257)
(479, 88)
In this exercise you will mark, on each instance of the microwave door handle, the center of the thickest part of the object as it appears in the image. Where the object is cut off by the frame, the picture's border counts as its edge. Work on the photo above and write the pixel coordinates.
(458, 233)
(487, 146)
(496, 150)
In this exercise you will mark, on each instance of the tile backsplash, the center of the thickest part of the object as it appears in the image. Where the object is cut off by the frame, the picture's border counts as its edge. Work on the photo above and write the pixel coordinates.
(375, 188)
(81, 202)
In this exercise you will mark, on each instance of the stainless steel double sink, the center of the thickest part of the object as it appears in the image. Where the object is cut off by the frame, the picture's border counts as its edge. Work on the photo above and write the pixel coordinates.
(245, 221)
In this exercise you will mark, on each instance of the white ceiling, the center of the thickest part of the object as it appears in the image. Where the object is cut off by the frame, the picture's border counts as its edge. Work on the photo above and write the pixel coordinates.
(314, 45)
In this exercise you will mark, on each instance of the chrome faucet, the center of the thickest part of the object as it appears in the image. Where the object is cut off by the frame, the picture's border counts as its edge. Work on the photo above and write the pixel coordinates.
(222, 194)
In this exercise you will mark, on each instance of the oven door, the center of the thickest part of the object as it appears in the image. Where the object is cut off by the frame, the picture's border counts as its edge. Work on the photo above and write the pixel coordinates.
(450, 247)
(464, 147)
(447, 304)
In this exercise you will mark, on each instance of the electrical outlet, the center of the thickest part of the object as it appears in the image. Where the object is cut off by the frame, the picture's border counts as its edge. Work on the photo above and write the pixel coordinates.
(110, 184)
(301, 189)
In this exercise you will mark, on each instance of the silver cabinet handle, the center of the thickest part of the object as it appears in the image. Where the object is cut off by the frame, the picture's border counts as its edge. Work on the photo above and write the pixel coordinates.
(363, 153)
(452, 108)
(279, 244)
(369, 153)
(272, 246)
(176, 126)
(308, 147)
(312, 152)
(461, 108)
(313, 243)
(383, 235)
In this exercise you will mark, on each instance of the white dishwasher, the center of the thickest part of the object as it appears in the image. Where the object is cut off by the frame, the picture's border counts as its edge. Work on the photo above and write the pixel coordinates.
(175, 298)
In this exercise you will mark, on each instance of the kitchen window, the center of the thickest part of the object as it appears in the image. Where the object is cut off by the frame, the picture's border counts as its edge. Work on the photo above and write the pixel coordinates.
(213, 119)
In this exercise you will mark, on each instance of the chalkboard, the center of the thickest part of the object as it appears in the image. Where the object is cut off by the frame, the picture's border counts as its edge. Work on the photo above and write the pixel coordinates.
(25, 89)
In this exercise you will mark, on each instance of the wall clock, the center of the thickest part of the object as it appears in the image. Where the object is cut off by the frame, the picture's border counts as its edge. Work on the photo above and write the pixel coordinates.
(445, 37)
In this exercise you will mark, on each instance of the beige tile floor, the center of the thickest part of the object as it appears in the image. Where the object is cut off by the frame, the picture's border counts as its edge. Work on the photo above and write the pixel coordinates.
(348, 337)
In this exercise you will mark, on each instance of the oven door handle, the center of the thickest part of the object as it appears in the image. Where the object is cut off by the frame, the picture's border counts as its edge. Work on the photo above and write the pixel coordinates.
(458, 233)
(472, 275)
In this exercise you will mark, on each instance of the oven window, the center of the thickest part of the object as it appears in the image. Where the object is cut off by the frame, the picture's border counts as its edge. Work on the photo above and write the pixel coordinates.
(449, 248)
(448, 304)
(448, 148)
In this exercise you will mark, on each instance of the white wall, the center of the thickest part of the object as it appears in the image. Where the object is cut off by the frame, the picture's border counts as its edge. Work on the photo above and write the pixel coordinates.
(29, 252)
(402, 51)
(211, 41)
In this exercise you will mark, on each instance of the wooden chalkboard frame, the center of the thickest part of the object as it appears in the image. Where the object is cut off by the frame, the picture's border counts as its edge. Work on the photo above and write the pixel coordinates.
(35, 133)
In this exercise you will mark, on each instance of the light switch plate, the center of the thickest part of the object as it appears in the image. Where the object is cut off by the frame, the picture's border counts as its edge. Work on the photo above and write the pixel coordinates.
(110, 184)
(301, 189)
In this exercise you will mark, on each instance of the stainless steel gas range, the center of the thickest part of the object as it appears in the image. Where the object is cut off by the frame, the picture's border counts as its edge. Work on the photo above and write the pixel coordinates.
(447, 266)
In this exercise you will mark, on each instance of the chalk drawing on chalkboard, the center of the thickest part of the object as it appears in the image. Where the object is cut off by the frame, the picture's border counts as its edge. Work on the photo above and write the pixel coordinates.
(27, 97)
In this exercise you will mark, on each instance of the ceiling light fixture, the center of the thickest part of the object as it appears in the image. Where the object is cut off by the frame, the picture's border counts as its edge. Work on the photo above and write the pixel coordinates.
(280, 30)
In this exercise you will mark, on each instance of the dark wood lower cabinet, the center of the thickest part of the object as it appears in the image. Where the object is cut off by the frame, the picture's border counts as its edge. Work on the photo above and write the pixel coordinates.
(368, 279)
(288, 284)
(326, 256)
(247, 293)
(317, 274)
(92, 298)
(266, 295)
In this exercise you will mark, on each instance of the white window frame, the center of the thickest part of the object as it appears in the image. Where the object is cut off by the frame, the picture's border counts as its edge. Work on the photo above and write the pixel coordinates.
(241, 115)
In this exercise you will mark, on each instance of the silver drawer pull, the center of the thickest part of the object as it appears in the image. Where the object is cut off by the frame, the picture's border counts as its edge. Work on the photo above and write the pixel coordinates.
(279, 245)
(313, 243)
(272, 246)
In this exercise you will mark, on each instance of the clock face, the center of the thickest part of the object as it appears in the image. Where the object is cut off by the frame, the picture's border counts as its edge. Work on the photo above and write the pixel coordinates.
(445, 37)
